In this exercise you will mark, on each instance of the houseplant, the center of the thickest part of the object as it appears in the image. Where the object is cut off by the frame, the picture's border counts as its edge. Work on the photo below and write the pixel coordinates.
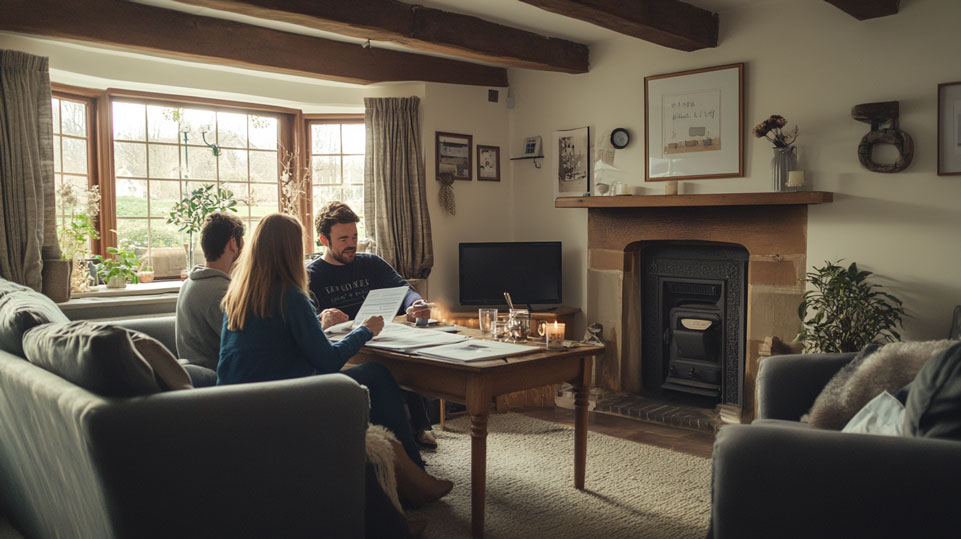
(844, 312)
(119, 270)
(189, 214)
(75, 233)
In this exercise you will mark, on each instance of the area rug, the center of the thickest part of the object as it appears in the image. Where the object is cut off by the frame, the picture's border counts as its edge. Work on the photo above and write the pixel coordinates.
(632, 490)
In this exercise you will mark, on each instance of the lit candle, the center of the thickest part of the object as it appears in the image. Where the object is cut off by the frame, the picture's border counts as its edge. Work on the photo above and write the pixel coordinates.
(795, 178)
(554, 335)
(670, 188)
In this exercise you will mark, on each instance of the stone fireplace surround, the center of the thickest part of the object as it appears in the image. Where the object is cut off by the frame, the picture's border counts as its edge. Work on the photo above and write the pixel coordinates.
(772, 227)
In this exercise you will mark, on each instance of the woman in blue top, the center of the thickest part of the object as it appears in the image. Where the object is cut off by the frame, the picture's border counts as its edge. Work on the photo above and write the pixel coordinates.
(271, 331)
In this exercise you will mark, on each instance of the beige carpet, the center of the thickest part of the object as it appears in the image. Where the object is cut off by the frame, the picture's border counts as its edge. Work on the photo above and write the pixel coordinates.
(632, 490)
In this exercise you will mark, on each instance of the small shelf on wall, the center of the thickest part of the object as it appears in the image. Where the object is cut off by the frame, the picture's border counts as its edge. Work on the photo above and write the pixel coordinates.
(534, 157)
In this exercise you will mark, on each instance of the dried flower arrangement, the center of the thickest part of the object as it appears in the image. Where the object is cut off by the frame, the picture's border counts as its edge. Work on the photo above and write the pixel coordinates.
(291, 189)
(75, 234)
(771, 129)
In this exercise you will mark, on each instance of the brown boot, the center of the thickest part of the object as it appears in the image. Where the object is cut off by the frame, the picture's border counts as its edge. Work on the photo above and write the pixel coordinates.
(415, 486)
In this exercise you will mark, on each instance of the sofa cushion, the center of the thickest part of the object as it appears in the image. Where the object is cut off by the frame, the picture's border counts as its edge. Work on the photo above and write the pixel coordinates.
(887, 368)
(934, 401)
(105, 359)
(20, 310)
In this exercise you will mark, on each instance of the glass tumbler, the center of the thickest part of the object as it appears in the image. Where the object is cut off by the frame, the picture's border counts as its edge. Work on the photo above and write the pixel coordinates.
(485, 319)
(518, 324)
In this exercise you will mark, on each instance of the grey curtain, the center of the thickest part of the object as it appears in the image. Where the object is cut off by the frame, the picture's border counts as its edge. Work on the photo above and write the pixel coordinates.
(395, 191)
(27, 209)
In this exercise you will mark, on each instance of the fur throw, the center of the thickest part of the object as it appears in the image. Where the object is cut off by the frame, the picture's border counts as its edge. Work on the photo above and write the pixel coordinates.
(889, 368)
(380, 455)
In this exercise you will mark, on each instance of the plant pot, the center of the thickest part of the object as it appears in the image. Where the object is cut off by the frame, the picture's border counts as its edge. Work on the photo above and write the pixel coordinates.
(145, 276)
(784, 161)
(117, 281)
(55, 277)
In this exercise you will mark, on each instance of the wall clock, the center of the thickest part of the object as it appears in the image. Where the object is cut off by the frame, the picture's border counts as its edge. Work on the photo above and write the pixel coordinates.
(620, 138)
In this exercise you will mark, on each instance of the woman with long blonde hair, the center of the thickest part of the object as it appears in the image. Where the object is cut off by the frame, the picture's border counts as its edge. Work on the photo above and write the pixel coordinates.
(271, 332)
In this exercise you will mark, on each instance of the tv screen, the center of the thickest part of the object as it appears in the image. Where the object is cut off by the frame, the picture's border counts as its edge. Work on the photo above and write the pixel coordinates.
(530, 271)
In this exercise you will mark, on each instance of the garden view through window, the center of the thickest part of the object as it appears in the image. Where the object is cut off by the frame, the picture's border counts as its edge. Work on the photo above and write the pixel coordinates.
(163, 152)
(71, 159)
(337, 150)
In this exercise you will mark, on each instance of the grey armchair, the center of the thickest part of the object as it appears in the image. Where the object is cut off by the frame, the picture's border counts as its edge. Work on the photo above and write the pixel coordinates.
(779, 478)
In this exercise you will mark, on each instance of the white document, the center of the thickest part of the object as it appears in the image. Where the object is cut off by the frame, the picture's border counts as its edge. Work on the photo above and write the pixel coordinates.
(475, 350)
(381, 301)
(403, 338)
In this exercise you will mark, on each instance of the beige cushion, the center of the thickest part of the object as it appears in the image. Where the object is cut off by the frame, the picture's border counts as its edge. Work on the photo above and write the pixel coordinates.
(105, 359)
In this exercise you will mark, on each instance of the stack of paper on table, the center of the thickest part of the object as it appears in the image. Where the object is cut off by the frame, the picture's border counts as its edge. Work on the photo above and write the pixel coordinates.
(475, 350)
(401, 338)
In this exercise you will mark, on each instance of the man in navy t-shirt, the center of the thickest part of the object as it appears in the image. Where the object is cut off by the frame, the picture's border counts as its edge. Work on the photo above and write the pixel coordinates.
(340, 281)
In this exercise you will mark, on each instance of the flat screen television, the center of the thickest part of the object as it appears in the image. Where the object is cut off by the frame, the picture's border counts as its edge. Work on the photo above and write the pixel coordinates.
(529, 270)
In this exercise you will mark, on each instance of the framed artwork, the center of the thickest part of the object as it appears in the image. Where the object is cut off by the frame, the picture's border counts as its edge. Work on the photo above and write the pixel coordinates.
(454, 155)
(571, 166)
(949, 128)
(488, 163)
(694, 124)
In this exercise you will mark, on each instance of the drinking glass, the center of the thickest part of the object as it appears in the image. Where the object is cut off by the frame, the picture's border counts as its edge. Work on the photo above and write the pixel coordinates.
(485, 318)
(518, 324)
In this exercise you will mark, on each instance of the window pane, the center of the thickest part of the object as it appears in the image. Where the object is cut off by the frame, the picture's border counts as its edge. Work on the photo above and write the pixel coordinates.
(74, 155)
(131, 198)
(325, 138)
(200, 164)
(74, 118)
(55, 109)
(325, 170)
(57, 165)
(129, 122)
(353, 196)
(130, 159)
(164, 235)
(132, 233)
(233, 165)
(163, 196)
(263, 166)
(263, 132)
(241, 193)
(354, 138)
(264, 198)
(324, 194)
(354, 169)
(197, 122)
(162, 125)
(164, 161)
(231, 130)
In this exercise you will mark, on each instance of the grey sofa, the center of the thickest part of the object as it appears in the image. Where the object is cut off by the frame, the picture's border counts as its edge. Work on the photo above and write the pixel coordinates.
(780, 478)
(276, 459)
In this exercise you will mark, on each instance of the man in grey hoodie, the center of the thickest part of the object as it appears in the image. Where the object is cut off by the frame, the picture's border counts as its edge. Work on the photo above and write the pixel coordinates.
(199, 317)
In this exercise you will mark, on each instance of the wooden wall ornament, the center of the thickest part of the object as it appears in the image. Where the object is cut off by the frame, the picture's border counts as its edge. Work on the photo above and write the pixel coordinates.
(877, 114)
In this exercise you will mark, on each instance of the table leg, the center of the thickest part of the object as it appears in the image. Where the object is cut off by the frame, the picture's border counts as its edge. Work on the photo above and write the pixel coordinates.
(478, 472)
(580, 433)
(443, 408)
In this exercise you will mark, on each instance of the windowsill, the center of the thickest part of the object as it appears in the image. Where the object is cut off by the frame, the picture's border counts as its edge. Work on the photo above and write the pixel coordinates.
(142, 289)
(134, 301)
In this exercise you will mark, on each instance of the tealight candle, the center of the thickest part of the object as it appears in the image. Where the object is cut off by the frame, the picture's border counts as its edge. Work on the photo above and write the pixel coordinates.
(670, 187)
(554, 335)
(795, 178)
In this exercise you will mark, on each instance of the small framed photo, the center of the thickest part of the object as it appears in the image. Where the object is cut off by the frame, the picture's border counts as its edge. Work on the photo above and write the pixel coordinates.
(454, 155)
(571, 165)
(949, 129)
(694, 124)
(488, 163)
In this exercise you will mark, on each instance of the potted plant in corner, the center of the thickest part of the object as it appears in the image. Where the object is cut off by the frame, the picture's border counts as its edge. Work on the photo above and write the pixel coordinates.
(116, 272)
(845, 313)
(189, 214)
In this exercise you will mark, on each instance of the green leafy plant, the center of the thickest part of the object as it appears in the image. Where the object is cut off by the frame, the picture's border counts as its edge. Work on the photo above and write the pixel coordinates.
(188, 215)
(844, 312)
(124, 264)
(75, 234)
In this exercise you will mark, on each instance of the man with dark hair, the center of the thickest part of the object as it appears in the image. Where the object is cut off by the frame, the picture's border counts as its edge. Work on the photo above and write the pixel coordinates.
(341, 280)
(199, 317)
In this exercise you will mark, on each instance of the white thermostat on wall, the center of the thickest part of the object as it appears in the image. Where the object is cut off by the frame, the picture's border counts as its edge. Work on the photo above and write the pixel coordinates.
(532, 147)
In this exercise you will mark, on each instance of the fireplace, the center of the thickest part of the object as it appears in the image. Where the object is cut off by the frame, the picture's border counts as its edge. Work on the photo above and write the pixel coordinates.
(763, 234)
(693, 306)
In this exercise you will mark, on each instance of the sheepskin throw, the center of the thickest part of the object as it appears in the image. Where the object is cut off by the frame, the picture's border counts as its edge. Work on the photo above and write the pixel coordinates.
(889, 368)
(380, 455)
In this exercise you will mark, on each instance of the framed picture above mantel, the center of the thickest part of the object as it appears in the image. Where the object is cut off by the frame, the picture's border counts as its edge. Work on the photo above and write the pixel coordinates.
(454, 155)
(694, 124)
(949, 129)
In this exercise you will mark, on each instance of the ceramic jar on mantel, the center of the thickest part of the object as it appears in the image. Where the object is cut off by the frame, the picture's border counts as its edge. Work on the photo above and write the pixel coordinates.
(784, 161)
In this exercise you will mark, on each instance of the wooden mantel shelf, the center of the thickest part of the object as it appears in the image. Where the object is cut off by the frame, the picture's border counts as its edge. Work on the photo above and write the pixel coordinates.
(715, 199)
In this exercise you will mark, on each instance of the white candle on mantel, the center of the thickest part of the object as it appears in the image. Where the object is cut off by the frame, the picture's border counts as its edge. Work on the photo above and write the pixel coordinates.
(795, 178)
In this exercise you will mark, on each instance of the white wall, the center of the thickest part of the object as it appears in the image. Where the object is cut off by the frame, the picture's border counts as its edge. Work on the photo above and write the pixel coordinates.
(809, 62)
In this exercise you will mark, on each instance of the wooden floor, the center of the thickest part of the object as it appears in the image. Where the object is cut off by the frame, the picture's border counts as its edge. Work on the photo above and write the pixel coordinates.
(692, 442)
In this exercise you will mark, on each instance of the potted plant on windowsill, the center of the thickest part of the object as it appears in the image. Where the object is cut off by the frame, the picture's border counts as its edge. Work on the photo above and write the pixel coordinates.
(146, 274)
(116, 272)
(189, 214)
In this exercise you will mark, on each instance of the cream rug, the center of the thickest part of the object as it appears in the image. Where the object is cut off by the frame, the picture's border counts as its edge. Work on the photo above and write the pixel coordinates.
(632, 490)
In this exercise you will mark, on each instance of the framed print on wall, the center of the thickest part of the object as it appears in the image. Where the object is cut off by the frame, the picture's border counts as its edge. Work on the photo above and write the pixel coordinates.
(949, 129)
(694, 124)
(454, 155)
(488, 163)
(571, 165)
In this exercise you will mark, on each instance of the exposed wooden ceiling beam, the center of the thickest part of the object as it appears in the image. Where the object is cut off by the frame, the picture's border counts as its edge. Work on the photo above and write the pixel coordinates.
(419, 28)
(171, 33)
(670, 23)
(867, 9)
